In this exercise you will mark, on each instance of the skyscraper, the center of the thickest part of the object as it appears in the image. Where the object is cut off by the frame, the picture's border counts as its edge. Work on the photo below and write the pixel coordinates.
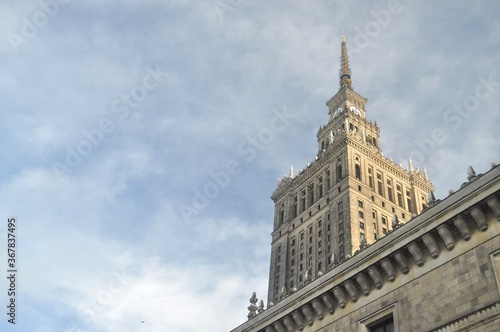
(361, 244)
(348, 198)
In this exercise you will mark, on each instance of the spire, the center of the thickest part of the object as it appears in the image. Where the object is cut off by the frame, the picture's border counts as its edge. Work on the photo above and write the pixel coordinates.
(345, 71)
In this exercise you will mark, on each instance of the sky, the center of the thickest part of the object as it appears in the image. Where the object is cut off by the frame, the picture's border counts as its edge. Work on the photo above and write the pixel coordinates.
(142, 140)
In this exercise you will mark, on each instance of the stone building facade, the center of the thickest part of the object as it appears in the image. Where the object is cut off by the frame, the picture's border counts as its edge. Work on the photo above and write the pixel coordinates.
(359, 244)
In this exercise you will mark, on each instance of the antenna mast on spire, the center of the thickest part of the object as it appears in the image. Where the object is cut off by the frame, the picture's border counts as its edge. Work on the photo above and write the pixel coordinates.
(345, 70)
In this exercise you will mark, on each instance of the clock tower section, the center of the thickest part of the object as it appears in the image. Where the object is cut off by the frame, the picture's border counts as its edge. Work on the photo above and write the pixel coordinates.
(348, 198)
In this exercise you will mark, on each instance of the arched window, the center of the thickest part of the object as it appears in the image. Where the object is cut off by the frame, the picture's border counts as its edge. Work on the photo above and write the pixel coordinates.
(357, 169)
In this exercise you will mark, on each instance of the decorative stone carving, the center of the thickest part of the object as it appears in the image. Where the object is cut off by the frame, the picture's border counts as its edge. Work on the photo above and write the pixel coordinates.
(283, 293)
(299, 320)
(416, 253)
(306, 310)
(351, 289)
(318, 308)
(400, 258)
(290, 326)
(261, 307)
(431, 244)
(375, 275)
(340, 296)
(328, 302)
(447, 237)
(279, 327)
(494, 206)
(395, 221)
(462, 226)
(471, 174)
(388, 268)
(252, 308)
(363, 282)
(479, 217)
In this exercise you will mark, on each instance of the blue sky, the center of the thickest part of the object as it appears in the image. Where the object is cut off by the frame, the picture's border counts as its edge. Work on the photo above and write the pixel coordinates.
(142, 139)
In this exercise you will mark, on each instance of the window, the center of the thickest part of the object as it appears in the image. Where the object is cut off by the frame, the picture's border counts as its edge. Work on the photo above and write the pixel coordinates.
(361, 214)
(311, 194)
(302, 236)
(327, 180)
(293, 252)
(370, 176)
(408, 200)
(380, 187)
(399, 191)
(357, 170)
(301, 246)
(295, 206)
(320, 187)
(310, 229)
(380, 321)
(384, 231)
(385, 326)
(361, 225)
(339, 172)
(292, 263)
(310, 250)
(293, 242)
(389, 190)
(319, 244)
(319, 266)
(319, 233)
(384, 220)
(360, 204)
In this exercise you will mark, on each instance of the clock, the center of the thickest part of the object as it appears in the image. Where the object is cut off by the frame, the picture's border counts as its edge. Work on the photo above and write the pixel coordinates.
(338, 111)
(355, 110)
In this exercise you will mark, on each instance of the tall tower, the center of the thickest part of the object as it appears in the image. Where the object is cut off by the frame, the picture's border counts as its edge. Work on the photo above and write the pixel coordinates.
(348, 198)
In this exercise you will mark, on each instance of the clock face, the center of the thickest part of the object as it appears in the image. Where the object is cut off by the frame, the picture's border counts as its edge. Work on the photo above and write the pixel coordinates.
(338, 111)
(355, 110)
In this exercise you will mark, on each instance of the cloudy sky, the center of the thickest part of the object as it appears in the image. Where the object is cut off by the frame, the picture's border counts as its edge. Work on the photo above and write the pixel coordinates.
(141, 140)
